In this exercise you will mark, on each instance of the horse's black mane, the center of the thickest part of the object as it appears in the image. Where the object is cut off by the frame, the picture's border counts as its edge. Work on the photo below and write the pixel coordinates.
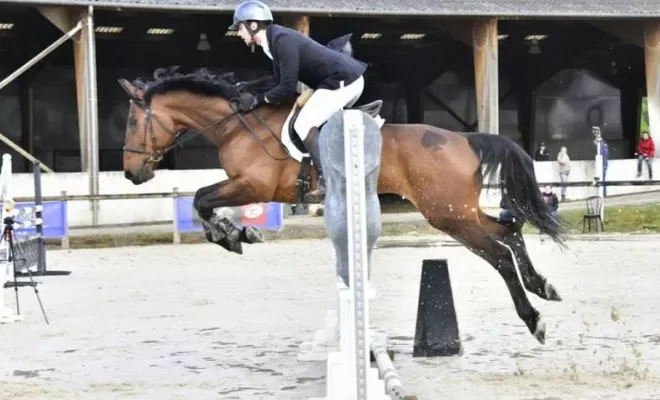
(200, 81)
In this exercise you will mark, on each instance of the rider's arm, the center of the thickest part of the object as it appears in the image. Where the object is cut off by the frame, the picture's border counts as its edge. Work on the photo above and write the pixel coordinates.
(288, 59)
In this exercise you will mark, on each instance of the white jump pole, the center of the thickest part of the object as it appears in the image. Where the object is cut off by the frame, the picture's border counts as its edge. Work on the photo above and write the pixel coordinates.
(6, 267)
(357, 252)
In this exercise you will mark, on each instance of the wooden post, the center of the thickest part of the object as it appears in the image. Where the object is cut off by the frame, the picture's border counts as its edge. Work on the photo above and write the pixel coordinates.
(176, 235)
(652, 63)
(79, 55)
(66, 242)
(301, 24)
(481, 35)
(486, 76)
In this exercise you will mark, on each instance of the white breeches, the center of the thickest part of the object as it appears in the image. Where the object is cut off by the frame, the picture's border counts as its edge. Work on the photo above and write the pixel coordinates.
(323, 103)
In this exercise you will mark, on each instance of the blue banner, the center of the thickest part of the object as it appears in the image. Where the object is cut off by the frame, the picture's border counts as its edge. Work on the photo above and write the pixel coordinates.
(54, 216)
(267, 216)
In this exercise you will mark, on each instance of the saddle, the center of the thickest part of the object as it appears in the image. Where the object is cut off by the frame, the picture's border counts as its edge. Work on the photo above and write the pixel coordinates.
(372, 109)
(303, 183)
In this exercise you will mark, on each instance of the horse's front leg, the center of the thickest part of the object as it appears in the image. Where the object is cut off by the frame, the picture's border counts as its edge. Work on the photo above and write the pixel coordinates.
(220, 230)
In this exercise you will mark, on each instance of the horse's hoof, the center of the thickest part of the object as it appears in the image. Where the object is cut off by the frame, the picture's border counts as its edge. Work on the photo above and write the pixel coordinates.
(212, 235)
(253, 235)
(314, 197)
(236, 247)
(233, 246)
(208, 236)
(551, 293)
(539, 332)
(225, 227)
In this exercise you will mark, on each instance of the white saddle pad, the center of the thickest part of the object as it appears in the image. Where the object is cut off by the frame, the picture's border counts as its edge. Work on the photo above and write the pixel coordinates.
(293, 150)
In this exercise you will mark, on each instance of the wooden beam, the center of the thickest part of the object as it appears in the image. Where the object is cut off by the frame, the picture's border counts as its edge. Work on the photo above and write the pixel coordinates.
(58, 16)
(486, 75)
(26, 102)
(629, 31)
(458, 29)
(652, 63)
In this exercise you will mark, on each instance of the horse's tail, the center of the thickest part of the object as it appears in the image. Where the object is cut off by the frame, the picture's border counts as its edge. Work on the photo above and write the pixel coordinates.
(518, 178)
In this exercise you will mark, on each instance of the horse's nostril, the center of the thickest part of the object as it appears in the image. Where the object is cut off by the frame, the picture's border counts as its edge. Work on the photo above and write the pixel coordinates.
(128, 175)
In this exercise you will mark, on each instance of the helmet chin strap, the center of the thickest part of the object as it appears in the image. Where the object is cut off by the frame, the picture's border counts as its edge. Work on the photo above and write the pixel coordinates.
(252, 33)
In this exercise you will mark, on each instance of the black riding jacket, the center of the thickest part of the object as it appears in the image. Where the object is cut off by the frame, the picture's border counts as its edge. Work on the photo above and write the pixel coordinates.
(297, 57)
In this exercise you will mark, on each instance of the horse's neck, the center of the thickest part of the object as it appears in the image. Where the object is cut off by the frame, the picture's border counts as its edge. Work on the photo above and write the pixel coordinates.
(266, 118)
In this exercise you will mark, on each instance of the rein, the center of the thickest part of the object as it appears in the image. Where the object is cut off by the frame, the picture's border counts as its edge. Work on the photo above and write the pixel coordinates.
(156, 155)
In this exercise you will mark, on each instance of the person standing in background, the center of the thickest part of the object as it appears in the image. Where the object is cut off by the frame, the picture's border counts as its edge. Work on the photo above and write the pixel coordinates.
(550, 199)
(604, 152)
(564, 162)
(645, 152)
(508, 213)
(541, 153)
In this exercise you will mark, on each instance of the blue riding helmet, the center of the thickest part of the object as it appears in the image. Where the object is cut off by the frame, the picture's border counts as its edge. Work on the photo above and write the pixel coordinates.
(251, 10)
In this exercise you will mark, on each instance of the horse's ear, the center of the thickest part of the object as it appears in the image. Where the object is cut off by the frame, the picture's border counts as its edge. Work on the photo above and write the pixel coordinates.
(127, 86)
(130, 89)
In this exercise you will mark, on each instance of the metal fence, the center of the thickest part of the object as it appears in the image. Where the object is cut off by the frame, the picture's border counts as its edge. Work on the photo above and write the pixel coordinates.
(175, 194)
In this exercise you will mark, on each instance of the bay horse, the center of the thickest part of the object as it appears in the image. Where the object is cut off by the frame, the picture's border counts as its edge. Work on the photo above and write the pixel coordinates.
(441, 172)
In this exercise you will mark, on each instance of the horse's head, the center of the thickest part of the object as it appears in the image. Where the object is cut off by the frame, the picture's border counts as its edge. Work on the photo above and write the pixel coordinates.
(148, 136)
(173, 102)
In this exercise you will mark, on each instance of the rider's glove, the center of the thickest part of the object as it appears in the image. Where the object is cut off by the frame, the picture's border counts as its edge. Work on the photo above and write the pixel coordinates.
(247, 102)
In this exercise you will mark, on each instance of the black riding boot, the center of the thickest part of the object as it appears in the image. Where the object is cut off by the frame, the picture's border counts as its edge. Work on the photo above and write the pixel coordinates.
(312, 145)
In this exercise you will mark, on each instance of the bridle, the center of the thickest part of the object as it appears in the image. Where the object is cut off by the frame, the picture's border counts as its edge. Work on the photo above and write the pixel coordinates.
(157, 155)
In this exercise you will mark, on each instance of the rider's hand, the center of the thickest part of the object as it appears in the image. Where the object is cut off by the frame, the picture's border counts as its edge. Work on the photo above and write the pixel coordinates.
(247, 102)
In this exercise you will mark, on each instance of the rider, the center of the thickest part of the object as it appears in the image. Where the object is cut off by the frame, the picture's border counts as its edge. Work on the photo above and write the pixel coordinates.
(297, 57)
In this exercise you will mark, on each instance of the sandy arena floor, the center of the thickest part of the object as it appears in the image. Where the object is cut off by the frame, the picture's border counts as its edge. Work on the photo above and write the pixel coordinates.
(195, 322)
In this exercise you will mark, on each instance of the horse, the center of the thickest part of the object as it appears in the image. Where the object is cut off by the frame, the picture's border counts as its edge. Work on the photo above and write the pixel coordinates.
(440, 172)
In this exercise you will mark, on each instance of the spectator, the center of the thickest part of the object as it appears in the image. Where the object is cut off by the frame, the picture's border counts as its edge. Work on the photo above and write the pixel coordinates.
(645, 152)
(550, 198)
(604, 151)
(507, 212)
(541, 153)
(564, 162)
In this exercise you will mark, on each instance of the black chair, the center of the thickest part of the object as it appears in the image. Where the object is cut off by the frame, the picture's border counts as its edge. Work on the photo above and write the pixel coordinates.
(594, 207)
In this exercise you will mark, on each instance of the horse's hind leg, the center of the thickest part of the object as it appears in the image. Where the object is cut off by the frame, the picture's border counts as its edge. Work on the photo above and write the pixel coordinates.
(511, 235)
(473, 235)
